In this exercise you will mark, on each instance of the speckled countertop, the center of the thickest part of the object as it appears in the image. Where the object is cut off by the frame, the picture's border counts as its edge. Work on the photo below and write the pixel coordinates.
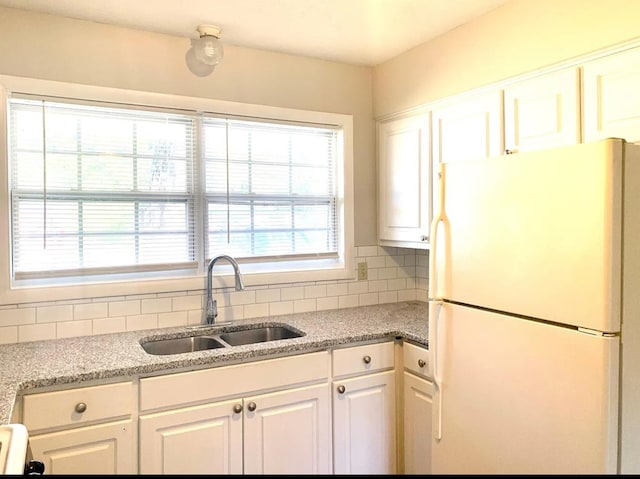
(36, 364)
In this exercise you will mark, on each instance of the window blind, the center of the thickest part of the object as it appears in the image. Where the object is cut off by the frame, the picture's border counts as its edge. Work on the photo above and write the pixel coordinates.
(99, 187)
(110, 189)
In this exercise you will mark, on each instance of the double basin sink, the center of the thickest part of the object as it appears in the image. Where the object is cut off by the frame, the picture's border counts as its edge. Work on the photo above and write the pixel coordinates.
(204, 341)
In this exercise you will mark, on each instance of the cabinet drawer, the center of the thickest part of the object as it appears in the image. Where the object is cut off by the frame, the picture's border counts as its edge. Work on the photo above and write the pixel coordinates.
(416, 359)
(363, 359)
(65, 408)
(227, 381)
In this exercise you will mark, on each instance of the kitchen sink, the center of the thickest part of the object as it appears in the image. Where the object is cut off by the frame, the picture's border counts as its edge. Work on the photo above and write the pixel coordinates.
(181, 345)
(259, 335)
(203, 342)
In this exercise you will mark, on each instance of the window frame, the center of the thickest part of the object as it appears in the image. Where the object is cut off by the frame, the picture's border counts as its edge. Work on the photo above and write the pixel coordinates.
(255, 273)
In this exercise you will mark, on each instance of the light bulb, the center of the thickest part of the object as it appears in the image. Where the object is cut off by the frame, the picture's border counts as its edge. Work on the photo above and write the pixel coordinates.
(208, 50)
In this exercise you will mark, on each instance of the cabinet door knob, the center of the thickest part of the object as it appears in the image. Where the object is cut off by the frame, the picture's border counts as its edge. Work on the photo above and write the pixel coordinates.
(423, 238)
(341, 389)
(252, 406)
(367, 359)
(237, 408)
(421, 363)
(509, 152)
(81, 407)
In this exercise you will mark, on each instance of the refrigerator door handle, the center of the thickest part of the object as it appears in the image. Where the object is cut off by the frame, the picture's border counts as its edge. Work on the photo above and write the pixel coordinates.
(435, 306)
(437, 218)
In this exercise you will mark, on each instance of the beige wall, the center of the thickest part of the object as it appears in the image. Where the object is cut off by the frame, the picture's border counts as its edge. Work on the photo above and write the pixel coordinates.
(518, 37)
(56, 48)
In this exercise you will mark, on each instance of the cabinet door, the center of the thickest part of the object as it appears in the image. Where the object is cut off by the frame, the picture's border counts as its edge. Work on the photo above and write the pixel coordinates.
(611, 99)
(205, 439)
(468, 128)
(404, 182)
(288, 432)
(100, 449)
(417, 424)
(543, 112)
(364, 424)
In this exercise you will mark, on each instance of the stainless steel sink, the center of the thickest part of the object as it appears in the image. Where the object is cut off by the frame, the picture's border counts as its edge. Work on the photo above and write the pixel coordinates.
(181, 345)
(259, 335)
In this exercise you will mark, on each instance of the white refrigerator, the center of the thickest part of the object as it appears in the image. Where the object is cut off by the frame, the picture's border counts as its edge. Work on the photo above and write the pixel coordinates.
(534, 313)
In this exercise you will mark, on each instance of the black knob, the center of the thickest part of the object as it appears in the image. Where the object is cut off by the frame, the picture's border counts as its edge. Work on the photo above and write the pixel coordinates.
(35, 468)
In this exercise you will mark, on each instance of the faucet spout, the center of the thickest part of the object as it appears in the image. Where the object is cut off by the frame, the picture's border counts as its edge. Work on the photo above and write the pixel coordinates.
(211, 307)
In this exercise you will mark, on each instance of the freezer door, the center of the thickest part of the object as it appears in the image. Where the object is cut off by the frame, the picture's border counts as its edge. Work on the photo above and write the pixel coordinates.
(516, 396)
(536, 233)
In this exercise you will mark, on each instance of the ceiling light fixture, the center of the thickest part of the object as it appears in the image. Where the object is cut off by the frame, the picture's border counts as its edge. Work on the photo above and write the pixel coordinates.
(208, 49)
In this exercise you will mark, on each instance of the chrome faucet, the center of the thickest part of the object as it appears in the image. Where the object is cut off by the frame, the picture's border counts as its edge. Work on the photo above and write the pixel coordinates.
(211, 308)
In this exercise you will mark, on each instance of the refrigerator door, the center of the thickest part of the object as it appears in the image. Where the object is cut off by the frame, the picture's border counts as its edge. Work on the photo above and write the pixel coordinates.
(537, 234)
(517, 396)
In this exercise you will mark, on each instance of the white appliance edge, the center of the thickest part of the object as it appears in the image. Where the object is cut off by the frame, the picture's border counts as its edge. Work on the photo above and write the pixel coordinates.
(534, 312)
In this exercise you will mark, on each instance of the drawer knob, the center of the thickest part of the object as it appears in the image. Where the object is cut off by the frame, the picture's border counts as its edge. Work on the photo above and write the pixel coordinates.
(367, 359)
(421, 363)
(341, 389)
(237, 408)
(252, 406)
(81, 407)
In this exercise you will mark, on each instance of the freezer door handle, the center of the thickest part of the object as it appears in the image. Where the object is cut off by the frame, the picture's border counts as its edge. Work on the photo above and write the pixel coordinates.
(435, 307)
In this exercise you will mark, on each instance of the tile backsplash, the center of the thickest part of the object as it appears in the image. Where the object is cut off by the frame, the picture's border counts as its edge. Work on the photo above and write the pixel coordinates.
(394, 274)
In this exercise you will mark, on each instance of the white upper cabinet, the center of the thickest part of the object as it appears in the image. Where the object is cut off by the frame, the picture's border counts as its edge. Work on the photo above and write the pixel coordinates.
(543, 111)
(468, 128)
(404, 178)
(611, 98)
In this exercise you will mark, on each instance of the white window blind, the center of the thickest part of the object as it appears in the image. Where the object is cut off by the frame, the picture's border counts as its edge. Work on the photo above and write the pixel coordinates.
(115, 189)
(270, 189)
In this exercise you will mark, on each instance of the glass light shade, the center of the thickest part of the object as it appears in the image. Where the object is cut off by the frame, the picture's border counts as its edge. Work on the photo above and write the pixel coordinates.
(208, 50)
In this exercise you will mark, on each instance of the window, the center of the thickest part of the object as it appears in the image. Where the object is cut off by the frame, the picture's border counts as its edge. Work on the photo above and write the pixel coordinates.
(106, 191)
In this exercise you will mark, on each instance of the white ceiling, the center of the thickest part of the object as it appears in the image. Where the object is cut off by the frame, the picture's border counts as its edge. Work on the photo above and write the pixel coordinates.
(362, 32)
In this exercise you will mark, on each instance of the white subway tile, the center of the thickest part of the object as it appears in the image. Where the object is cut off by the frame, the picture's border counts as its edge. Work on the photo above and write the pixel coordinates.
(348, 301)
(109, 325)
(421, 295)
(397, 284)
(388, 297)
(256, 310)
(230, 313)
(142, 321)
(186, 303)
(237, 298)
(175, 318)
(390, 261)
(315, 291)
(358, 287)
(8, 334)
(330, 302)
(410, 260)
(267, 295)
(36, 332)
(124, 308)
(376, 262)
(90, 311)
(281, 307)
(339, 289)
(304, 305)
(157, 305)
(52, 314)
(378, 285)
(70, 329)
(387, 273)
(373, 274)
(16, 317)
(367, 251)
(288, 294)
(195, 316)
(407, 295)
(387, 250)
(368, 299)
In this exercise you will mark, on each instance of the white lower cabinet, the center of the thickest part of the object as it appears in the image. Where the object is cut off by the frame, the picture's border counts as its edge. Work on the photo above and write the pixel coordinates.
(364, 411)
(241, 429)
(417, 410)
(85, 430)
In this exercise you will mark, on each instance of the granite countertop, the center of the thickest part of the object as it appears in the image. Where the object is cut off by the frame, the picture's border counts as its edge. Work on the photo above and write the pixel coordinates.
(74, 360)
